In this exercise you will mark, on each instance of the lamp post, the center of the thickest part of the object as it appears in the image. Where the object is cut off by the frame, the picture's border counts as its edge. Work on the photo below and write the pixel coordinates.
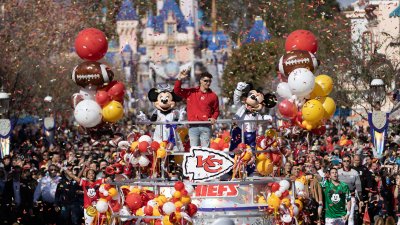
(49, 122)
(378, 120)
(377, 93)
(5, 123)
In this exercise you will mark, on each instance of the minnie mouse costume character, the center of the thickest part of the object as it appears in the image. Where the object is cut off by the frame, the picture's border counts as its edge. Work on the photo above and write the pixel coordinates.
(164, 99)
(249, 109)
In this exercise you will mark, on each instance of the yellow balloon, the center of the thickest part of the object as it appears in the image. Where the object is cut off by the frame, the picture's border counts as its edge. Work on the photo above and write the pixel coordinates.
(140, 212)
(286, 202)
(262, 156)
(313, 111)
(271, 133)
(166, 221)
(247, 156)
(299, 204)
(156, 211)
(329, 107)
(264, 167)
(161, 153)
(323, 86)
(309, 125)
(182, 132)
(112, 192)
(185, 200)
(113, 112)
(261, 200)
(273, 201)
(134, 146)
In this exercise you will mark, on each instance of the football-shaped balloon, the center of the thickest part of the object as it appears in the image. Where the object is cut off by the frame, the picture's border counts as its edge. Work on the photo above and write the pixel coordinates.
(301, 40)
(297, 59)
(92, 73)
(91, 44)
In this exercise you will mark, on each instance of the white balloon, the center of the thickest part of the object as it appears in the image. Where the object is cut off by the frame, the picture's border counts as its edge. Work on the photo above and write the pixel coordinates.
(145, 138)
(301, 82)
(101, 206)
(283, 90)
(286, 218)
(169, 208)
(124, 212)
(88, 113)
(284, 184)
(88, 93)
(295, 210)
(152, 203)
(143, 161)
(134, 161)
(299, 186)
(278, 193)
(189, 188)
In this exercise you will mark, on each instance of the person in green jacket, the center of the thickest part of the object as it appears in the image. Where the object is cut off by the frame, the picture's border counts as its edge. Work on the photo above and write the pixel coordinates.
(337, 199)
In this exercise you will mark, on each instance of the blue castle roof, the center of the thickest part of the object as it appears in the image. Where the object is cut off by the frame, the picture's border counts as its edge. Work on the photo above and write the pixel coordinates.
(170, 5)
(127, 11)
(259, 32)
(221, 40)
(395, 13)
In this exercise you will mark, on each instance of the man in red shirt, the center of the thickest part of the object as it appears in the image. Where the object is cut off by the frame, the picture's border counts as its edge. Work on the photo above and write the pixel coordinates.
(202, 105)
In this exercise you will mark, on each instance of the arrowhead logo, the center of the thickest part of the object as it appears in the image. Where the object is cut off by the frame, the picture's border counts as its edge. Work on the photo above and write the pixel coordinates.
(203, 164)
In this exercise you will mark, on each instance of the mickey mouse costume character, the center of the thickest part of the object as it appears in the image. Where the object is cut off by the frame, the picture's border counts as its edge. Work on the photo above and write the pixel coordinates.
(249, 109)
(164, 100)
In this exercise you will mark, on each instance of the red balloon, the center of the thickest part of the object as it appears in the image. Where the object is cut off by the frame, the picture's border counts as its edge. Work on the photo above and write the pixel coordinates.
(285, 193)
(116, 91)
(275, 187)
(179, 186)
(148, 210)
(115, 206)
(158, 222)
(287, 109)
(191, 209)
(319, 131)
(276, 158)
(214, 146)
(91, 44)
(143, 145)
(155, 145)
(134, 201)
(102, 98)
(301, 40)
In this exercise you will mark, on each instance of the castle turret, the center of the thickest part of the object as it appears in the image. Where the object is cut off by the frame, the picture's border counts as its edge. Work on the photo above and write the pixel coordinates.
(127, 26)
(190, 9)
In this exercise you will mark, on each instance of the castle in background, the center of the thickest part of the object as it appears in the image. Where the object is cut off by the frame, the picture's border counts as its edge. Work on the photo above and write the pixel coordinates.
(174, 38)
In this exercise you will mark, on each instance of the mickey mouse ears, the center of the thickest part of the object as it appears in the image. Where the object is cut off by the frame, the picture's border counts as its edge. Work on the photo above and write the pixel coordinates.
(164, 87)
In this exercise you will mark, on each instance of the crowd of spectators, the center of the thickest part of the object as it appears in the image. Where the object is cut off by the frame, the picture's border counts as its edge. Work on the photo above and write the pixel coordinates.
(35, 189)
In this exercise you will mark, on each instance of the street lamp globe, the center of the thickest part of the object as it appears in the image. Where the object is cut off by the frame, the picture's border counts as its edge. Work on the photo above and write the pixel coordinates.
(4, 102)
(377, 91)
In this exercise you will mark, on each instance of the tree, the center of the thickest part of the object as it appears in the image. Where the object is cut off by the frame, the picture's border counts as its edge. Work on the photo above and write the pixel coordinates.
(329, 26)
(37, 40)
(253, 63)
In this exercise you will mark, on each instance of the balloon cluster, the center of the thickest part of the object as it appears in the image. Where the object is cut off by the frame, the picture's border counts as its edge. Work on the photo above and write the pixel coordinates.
(100, 99)
(280, 204)
(175, 210)
(265, 161)
(138, 201)
(221, 143)
(142, 151)
(300, 88)
(243, 157)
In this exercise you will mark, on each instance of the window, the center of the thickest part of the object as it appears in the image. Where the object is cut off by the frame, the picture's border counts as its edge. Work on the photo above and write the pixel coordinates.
(171, 52)
(170, 29)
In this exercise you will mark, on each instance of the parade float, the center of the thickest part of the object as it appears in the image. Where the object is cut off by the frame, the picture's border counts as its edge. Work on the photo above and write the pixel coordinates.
(159, 179)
